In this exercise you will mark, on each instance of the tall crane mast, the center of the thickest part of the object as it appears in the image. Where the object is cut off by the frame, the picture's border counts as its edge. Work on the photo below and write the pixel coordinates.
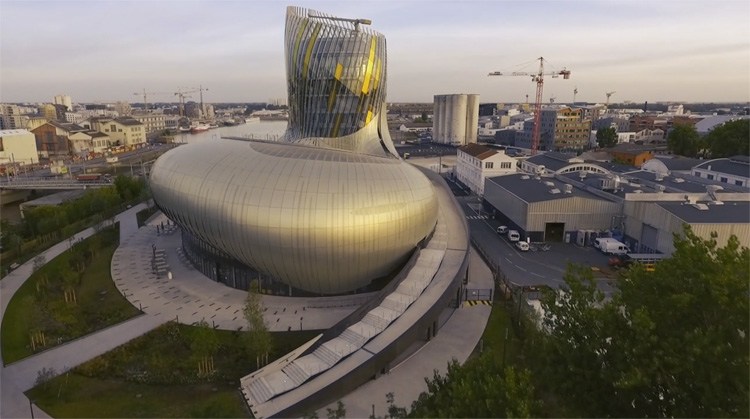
(183, 94)
(538, 78)
(181, 105)
(608, 95)
(145, 97)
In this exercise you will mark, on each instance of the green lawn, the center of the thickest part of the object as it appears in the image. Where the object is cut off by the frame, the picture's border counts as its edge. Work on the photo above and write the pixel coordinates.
(84, 397)
(41, 306)
(161, 367)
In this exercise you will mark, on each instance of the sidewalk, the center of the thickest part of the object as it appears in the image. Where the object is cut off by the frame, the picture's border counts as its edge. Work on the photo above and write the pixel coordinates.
(20, 376)
(456, 339)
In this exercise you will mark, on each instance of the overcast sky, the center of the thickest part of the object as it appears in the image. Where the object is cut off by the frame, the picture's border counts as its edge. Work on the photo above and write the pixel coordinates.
(657, 50)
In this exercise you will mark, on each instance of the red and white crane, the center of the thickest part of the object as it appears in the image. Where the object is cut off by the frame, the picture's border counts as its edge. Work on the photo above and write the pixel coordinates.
(537, 77)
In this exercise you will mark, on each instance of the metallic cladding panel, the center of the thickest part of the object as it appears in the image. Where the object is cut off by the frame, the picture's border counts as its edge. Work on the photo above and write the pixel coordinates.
(321, 220)
(336, 76)
(331, 207)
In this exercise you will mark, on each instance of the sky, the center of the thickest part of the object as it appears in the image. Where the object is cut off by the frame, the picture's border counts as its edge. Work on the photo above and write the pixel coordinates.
(105, 51)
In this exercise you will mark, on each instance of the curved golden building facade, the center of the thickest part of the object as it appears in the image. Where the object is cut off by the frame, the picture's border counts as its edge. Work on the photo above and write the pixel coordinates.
(331, 207)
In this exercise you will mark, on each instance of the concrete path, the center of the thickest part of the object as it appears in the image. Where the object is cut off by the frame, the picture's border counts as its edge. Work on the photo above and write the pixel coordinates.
(20, 376)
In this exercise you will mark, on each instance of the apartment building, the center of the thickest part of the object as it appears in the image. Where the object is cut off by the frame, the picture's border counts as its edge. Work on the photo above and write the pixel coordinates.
(561, 129)
(89, 141)
(152, 122)
(11, 118)
(475, 163)
(122, 131)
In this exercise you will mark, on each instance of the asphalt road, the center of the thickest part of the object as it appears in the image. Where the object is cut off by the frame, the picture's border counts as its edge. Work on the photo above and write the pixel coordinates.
(528, 268)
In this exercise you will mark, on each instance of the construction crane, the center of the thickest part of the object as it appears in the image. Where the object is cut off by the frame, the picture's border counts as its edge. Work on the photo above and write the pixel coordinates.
(182, 97)
(145, 96)
(183, 94)
(538, 78)
(608, 95)
(356, 22)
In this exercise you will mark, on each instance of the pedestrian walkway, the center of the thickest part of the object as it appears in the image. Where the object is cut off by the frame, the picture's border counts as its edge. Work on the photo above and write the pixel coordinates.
(20, 376)
(455, 340)
(190, 297)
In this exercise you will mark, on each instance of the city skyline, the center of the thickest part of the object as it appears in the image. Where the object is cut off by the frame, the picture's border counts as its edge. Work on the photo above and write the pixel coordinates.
(107, 51)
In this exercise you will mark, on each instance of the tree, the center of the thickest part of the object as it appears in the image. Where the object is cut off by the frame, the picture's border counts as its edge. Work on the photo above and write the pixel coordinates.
(481, 388)
(671, 342)
(606, 137)
(259, 338)
(730, 139)
(338, 413)
(684, 140)
(576, 345)
(204, 346)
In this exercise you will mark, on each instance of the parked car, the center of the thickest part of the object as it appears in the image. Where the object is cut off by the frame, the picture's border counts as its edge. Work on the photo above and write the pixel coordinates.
(502, 230)
(514, 236)
(522, 246)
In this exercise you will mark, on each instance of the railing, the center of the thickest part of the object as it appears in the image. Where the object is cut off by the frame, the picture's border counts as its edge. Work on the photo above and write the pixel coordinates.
(52, 184)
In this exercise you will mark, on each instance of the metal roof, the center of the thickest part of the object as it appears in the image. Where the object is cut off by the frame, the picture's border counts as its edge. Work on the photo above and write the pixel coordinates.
(730, 213)
(552, 160)
(689, 183)
(479, 151)
(530, 189)
(128, 121)
(678, 163)
(7, 132)
(731, 166)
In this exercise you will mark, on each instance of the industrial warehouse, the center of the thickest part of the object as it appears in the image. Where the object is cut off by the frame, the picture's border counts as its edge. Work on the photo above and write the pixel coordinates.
(569, 200)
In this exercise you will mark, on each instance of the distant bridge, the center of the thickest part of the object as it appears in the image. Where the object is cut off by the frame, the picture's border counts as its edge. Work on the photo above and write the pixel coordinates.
(22, 183)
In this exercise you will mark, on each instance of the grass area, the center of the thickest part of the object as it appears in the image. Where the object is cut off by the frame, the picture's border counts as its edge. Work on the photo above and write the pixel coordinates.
(499, 335)
(40, 306)
(145, 214)
(76, 396)
(162, 368)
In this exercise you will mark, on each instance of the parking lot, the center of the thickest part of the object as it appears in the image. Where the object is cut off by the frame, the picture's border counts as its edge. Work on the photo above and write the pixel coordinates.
(538, 267)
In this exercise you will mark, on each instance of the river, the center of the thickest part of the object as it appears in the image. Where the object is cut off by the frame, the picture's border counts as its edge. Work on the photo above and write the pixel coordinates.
(261, 130)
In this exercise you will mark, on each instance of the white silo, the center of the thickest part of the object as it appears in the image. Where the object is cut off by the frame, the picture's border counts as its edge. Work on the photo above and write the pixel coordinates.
(447, 127)
(472, 118)
(457, 130)
(436, 118)
(443, 118)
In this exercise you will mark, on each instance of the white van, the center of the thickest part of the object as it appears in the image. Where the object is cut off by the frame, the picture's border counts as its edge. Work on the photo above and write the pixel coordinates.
(610, 246)
(513, 236)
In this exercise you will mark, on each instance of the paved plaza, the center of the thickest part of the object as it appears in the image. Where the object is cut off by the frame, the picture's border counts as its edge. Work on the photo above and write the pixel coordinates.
(190, 297)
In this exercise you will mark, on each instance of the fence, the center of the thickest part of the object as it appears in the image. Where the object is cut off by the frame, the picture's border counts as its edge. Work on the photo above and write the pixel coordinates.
(514, 297)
